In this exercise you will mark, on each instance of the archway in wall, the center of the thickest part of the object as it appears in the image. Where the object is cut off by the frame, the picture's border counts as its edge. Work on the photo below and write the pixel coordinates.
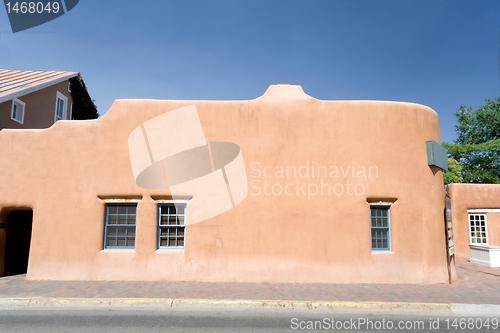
(17, 241)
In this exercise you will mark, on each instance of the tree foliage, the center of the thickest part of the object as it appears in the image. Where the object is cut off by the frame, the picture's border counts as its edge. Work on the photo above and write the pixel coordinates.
(477, 148)
(454, 173)
(83, 106)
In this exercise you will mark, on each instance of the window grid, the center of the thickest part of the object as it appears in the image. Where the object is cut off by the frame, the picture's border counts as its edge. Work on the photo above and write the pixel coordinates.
(120, 226)
(478, 229)
(380, 228)
(171, 225)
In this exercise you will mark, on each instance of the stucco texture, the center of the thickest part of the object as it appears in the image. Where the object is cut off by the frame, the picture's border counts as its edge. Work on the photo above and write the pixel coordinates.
(64, 172)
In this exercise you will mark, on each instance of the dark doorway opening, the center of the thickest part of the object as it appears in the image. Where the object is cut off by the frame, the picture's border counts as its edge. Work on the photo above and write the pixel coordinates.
(17, 242)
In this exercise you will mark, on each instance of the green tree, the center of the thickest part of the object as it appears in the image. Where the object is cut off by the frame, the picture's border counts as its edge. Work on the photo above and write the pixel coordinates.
(83, 106)
(454, 173)
(477, 147)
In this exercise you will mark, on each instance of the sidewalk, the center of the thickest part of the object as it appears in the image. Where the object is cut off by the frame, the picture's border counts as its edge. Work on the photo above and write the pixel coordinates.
(477, 285)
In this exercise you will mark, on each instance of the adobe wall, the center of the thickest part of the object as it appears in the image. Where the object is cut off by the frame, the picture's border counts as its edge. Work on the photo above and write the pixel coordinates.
(62, 172)
(40, 108)
(473, 196)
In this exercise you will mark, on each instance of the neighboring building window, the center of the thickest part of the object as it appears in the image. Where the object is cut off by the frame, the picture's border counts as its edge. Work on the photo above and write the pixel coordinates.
(120, 226)
(380, 228)
(61, 107)
(478, 231)
(17, 113)
(171, 225)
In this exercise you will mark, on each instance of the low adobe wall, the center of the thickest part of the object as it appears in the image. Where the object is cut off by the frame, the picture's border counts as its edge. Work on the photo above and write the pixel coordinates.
(299, 234)
(473, 196)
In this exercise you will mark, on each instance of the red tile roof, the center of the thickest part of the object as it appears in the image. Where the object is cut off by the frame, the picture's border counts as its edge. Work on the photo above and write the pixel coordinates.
(16, 83)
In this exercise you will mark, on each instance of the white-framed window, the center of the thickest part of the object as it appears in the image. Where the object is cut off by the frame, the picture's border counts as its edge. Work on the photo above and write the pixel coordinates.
(61, 107)
(380, 228)
(478, 229)
(17, 113)
(171, 225)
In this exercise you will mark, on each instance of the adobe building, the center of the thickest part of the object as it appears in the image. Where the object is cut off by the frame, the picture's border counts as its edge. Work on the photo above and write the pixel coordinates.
(282, 188)
(34, 99)
(476, 218)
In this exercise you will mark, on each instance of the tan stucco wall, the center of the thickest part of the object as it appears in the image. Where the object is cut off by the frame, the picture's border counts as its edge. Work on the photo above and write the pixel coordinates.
(473, 196)
(60, 172)
(40, 108)
(493, 221)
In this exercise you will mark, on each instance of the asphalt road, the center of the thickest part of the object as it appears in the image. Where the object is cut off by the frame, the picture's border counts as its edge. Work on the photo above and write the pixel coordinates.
(230, 320)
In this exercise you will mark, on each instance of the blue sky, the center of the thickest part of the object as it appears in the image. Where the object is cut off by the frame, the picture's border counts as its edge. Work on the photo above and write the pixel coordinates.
(438, 53)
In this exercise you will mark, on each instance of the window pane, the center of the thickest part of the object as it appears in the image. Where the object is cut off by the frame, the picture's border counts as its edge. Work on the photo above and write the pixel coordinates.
(171, 241)
(112, 219)
(164, 220)
(180, 242)
(172, 232)
(122, 219)
(111, 241)
(180, 232)
(112, 231)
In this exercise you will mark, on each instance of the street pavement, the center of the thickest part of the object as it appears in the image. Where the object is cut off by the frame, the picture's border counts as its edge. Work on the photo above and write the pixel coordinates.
(476, 285)
(217, 321)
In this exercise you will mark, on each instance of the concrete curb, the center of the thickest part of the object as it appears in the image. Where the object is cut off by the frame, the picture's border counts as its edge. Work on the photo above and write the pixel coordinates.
(165, 303)
(37, 302)
(475, 309)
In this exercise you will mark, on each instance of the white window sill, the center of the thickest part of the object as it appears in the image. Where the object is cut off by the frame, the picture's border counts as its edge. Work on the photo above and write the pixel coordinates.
(383, 252)
(17, 121)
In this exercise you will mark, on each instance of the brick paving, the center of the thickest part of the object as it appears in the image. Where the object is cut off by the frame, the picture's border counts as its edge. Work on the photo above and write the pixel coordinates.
(476, 285)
